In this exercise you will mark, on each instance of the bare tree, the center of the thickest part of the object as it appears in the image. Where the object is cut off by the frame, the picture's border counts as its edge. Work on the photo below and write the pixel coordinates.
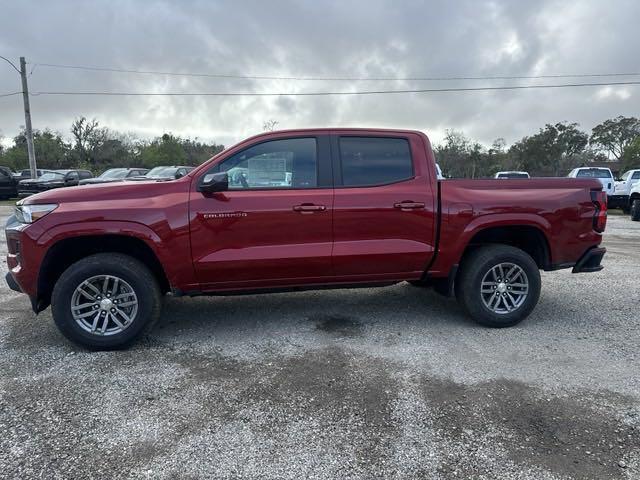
(269, 125)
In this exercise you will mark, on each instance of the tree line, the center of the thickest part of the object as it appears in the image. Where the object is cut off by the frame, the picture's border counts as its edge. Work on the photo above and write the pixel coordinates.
(553, 151)
(98, 148)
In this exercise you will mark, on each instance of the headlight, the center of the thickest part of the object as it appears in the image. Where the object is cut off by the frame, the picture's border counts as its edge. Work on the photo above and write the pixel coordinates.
(31, 213)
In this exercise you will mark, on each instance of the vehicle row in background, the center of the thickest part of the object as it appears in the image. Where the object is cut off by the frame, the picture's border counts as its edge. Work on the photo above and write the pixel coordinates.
(52, 179)
(115, 175)
(11, 184)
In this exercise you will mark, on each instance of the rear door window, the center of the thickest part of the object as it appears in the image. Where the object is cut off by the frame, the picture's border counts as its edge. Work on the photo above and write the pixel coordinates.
(371, 161)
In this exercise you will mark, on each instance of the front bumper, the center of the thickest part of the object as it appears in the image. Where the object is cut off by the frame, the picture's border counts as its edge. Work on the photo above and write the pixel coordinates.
(617, 201)
(590, 261)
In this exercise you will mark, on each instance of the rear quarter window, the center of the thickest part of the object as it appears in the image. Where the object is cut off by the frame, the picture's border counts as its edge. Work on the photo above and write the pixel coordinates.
(370, 161)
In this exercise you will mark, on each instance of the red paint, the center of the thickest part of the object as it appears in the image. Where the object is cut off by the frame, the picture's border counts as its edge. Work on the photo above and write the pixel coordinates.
(247, 239)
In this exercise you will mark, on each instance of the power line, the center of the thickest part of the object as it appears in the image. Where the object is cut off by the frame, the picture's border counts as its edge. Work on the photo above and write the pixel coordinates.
(9, 94)
(334, 79)
(337, 93)
(10, 63)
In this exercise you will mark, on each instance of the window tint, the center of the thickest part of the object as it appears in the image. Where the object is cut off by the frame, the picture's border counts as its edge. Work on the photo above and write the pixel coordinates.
(636, 175)
(374, 160)
(594, 173)
(289, 163)
(4, 173)
(72, 176)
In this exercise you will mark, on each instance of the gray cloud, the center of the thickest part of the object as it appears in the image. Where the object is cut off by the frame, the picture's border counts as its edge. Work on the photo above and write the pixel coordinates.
(330, 38)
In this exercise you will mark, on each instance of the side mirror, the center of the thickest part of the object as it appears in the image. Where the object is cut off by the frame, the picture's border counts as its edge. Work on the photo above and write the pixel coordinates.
(214, 182)
(178, 175)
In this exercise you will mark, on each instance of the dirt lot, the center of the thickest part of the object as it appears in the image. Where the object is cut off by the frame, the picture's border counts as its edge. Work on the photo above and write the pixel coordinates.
(391, 382)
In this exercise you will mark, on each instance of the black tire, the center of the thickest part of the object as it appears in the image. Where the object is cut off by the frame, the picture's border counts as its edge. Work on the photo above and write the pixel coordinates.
(126, 268)
(635, 210)
(473, 269)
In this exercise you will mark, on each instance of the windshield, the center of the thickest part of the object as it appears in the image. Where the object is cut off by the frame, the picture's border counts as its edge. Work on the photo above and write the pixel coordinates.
(594, 173)
(47, 177)
(114, 173)
(158, 171)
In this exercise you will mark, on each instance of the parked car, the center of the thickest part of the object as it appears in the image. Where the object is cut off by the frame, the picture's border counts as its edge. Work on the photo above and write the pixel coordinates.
(623, 189)
(52, 179)
(370, 211)
(604, 176)
(115, 175)
(26, 174)
(634, 202)
(511, 174)
(8, 184)
(164, 173)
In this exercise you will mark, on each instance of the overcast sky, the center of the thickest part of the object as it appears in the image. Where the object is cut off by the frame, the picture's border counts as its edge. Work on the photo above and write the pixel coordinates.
(322, 39)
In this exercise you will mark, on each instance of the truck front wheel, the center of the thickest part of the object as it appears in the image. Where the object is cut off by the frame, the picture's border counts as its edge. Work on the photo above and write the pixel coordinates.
(105, 301)
(635, 209)
(498, 285)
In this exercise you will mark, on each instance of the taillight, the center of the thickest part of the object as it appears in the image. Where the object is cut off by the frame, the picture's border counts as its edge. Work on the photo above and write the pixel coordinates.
(599, 199)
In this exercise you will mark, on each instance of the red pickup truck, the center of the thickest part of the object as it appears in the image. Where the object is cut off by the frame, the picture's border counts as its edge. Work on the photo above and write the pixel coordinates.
(292, 210)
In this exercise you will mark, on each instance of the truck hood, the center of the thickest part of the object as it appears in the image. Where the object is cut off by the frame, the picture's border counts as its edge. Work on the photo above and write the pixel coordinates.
(107, 192)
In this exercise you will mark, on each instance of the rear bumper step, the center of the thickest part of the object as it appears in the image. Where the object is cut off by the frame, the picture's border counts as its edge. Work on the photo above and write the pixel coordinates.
(590, 261)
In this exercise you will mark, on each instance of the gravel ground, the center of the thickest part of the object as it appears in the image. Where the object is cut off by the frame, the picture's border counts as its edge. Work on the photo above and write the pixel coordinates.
(368, 383)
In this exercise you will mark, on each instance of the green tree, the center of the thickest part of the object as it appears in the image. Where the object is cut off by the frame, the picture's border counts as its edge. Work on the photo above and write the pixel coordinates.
(88, 138)
(631, 155)
(453, 155)
(614, 135)
(553, 149)
(50, 149)
(164, 150)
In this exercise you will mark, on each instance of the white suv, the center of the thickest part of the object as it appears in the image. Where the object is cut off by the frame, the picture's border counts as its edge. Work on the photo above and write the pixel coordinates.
(601, 173)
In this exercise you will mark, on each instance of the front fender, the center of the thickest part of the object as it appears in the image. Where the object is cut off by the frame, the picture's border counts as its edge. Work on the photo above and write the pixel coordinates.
(170, 247)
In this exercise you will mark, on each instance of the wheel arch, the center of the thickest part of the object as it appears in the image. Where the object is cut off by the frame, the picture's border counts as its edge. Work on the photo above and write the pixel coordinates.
(67, 251)
(528, 238)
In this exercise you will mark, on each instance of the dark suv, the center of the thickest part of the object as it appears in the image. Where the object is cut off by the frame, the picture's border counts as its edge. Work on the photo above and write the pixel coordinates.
(8, 184)
(52, 179)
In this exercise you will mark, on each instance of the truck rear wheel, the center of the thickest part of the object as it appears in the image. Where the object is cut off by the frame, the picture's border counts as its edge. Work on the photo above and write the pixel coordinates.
(635, 210)
(105, 301)
(498, 285)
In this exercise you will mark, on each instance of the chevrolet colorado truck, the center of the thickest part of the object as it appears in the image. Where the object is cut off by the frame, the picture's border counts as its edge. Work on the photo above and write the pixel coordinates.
(293, 210)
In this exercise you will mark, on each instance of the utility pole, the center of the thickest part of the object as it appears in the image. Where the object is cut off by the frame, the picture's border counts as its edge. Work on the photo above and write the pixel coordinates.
(27, 119)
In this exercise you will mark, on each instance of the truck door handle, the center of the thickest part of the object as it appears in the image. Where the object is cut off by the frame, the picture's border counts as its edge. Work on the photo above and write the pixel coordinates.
(309, 207)
(408, 205)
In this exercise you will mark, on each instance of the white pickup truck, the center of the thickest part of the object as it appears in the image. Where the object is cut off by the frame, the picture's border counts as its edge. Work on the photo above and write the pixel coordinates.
(627, 181)
(601, 173)
(634, 202)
